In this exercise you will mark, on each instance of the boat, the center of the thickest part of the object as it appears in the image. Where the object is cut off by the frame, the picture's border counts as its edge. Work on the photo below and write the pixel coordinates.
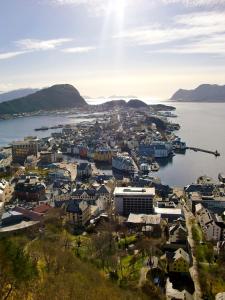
(155, 167)
(124, 163)
(41, 128)
(167, 114)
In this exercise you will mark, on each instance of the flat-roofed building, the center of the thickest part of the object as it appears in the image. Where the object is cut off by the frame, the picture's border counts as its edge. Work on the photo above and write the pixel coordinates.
(133, 200)
(171, 214)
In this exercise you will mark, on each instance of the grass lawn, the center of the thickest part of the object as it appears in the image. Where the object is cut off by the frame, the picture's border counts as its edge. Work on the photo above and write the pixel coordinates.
(212, 279)
(128, 241)
(84, 242)
(130, 267)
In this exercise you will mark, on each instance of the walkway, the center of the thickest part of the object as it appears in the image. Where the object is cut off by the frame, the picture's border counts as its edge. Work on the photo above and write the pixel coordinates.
(190, 219)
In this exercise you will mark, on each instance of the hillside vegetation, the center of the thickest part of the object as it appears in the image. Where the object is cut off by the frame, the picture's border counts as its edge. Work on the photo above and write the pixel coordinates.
(57, 97)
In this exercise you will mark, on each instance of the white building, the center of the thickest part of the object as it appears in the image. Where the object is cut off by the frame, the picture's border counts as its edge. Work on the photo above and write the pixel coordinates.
(209, 223)
(133, 200)
(4, 186)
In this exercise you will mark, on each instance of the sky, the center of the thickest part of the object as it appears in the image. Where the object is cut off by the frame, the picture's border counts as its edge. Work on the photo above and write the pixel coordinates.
(146, 48)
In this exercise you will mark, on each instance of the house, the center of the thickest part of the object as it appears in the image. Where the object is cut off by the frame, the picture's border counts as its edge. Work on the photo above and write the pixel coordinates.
(78, 213)
(103, 190)
(88, 195)
(149, 224)
(84, 170)
(103, 155)
(177, 261)
(178, 234)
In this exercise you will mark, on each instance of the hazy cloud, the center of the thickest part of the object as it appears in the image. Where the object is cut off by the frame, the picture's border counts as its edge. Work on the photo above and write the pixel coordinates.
(36, 45)
(7, 55)
(195, 32)
(79, 49)
(196, 3)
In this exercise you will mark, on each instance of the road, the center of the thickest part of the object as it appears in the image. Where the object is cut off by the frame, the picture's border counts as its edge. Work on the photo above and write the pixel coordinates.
(190, 220)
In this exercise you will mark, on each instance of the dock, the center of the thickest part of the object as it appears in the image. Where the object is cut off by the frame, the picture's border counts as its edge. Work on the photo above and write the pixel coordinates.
(216, 153)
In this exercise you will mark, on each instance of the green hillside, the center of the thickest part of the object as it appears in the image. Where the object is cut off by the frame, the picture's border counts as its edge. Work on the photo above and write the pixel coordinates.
(60, 96)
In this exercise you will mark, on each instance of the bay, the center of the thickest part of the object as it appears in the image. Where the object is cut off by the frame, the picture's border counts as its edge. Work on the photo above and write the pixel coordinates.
(202, 125)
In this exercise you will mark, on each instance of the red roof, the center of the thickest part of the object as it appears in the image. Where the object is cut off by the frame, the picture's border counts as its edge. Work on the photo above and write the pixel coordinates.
(31, 215)
(42, 208)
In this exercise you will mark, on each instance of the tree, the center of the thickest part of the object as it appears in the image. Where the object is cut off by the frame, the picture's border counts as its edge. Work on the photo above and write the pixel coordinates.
(16, 268)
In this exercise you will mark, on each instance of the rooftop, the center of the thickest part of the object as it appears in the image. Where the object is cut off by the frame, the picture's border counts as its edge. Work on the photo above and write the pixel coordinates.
(143, 218)
(134, 191)
(168, 211)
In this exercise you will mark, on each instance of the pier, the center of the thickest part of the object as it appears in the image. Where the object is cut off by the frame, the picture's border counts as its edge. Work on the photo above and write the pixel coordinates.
(216, 153)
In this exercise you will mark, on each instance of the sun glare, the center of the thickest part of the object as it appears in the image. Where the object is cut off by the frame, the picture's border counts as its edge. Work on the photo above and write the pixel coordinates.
(119, 7)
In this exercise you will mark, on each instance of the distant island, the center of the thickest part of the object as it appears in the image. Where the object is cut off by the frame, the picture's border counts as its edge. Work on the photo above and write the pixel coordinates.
(57, 97)
(203, 93)
(7, 96)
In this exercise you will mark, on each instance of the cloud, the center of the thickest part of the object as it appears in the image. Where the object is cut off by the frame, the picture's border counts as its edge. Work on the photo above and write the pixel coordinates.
(7, 55)
(36, 45)
(78, 50)
(196, 3)
(213, 45)
(201, 32)
(98, 7)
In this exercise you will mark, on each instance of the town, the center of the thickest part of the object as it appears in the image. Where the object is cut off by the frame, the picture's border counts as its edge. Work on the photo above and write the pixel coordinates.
(100, 178)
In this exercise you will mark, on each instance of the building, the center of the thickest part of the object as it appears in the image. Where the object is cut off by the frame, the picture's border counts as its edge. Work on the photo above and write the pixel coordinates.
(133, 200)
(88, 195)
(171, 214)
(78, 213)
(84, 170)
(211, 224)
(48, 157)
(155, 149)
(216, 204)
(22, 149)
(30, 189)
(103, 155)
(149, 224)
(177, 261)
(4, 187)
(11, 217)
(178, 234)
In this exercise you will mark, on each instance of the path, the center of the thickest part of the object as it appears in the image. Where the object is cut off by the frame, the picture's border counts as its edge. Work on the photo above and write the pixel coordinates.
(190, 219)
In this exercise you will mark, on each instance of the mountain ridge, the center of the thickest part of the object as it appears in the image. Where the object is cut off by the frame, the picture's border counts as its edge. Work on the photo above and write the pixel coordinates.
(15, 94)
(56, 97)
(203, 93)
